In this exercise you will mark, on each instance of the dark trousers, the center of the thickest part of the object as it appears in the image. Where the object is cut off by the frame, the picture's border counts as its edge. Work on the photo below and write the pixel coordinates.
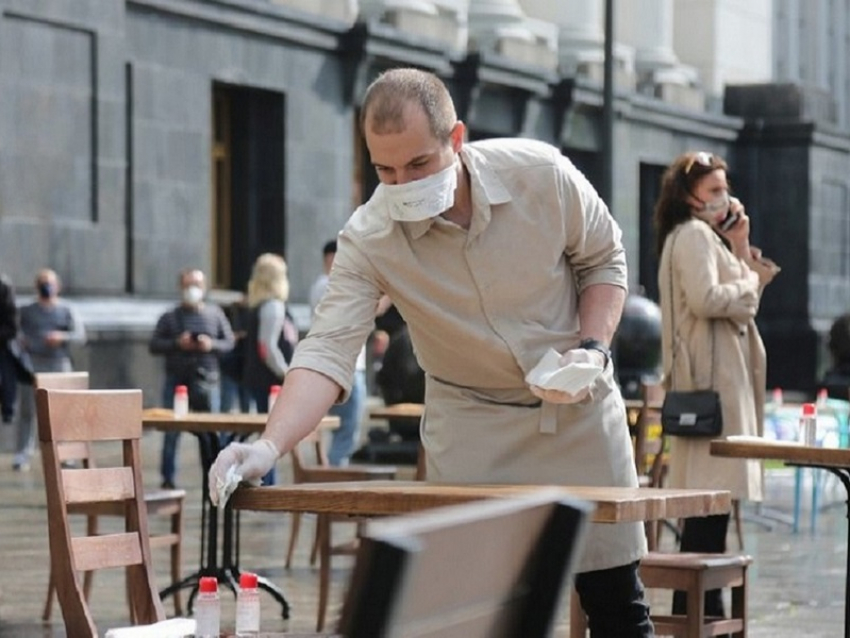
(613, 601)
(8, 384)
(706, 535)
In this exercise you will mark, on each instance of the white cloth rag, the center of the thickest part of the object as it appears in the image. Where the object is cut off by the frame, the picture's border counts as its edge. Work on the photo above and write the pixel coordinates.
(573, 377)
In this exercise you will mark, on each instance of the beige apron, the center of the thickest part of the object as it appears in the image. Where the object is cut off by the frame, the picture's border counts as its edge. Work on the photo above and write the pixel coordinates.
(506, 436)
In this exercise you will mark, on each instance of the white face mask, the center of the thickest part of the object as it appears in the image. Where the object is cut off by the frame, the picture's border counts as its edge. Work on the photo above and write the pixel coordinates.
(719, 204)
(423, 198)
(193, 295)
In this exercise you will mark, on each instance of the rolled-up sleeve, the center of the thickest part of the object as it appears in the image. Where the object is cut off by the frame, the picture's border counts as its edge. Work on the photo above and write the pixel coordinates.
(343, 319)
(594, 239)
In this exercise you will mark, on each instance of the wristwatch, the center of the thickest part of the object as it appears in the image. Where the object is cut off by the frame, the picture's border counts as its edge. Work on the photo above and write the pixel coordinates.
(595, 344)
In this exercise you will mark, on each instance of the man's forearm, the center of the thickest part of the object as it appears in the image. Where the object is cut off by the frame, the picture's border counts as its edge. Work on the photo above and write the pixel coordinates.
(304, 400)
(600, 307)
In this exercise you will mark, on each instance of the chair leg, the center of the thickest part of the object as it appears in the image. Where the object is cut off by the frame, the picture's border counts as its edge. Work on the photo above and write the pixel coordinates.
(293, 537)
(177, 557)
(696, 608)
(739, 605)
(48, 602)
(736, 511)
(88, 577)
(314, 552)
(323, 532)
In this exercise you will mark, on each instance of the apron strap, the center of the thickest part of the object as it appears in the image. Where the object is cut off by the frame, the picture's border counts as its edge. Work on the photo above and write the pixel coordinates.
(548, 417)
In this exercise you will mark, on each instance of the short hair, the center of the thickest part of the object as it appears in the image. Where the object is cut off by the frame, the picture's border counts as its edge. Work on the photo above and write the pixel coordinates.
(329, 248)
(269, 280)
(384, 103)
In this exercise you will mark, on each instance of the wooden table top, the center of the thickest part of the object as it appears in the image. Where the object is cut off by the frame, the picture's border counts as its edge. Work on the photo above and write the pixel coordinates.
(398, 411)
(376, 498)
(241, 423)
(781, 451)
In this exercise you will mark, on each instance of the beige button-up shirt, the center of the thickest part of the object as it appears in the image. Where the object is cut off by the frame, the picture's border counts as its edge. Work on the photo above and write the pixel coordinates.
(483, 305)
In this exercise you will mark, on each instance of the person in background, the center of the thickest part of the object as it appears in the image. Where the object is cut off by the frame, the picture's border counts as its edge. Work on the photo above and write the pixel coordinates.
(710, 281)
(271, 335)
(48, 327)
(836, 380)
(192, 336)
(233, 363)
(344, 439)
(8, 332)
(494, 252)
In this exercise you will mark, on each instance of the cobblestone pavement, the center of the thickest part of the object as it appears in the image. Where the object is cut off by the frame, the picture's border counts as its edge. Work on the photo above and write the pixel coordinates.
(796, 586)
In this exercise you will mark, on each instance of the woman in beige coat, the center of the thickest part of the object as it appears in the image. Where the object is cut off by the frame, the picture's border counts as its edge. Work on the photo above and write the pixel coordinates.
(710, 283)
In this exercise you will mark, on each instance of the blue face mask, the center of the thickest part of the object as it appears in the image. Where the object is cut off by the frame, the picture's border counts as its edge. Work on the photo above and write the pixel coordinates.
(45, 290)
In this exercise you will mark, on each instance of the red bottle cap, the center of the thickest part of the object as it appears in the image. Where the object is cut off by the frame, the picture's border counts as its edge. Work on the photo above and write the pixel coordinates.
(247, 580)
(808, 409)
(275, 389)
(181, 389)
(208, 585)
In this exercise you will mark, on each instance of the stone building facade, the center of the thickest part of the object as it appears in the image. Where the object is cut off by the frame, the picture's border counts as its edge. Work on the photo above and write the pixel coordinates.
(139, 137)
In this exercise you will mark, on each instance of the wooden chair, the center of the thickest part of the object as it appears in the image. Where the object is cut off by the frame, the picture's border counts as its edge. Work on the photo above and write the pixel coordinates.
(167, 503)
(108, 417)
(694, 574)
(320, 471)
(487, 569)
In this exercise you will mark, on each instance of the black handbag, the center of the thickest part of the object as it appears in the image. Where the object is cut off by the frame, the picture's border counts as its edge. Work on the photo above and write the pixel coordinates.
(695, 413)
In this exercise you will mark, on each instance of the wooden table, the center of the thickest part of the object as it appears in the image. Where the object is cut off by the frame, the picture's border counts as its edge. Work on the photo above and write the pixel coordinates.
(834, 460)
(214, 431)
(379, 498)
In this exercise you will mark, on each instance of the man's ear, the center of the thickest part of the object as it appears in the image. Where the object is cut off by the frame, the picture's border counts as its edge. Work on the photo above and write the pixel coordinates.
(458, 136)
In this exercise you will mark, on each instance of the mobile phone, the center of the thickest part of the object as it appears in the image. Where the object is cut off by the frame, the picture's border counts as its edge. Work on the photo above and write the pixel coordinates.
(730, 220)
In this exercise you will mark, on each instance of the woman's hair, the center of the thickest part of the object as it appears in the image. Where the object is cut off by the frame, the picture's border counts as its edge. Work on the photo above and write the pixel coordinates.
(268, 280)
(678, 182)
(383, 108)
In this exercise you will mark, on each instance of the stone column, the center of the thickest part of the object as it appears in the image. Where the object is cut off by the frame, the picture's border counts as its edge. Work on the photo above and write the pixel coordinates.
(501, 26)
(581, 38)
(647, 25)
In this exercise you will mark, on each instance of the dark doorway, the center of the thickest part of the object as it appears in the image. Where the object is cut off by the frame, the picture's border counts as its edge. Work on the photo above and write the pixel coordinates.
(248, 185)
(650, 187)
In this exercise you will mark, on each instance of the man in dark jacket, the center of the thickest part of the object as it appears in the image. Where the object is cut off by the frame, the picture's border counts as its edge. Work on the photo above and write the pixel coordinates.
(192, 336)
(8, 331)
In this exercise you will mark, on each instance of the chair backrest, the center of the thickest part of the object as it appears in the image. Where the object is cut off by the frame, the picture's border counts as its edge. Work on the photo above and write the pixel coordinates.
(76, 450)
(487, 569)
(66, 416)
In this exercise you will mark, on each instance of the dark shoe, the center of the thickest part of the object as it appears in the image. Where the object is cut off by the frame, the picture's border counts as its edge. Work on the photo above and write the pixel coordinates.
(168, 485)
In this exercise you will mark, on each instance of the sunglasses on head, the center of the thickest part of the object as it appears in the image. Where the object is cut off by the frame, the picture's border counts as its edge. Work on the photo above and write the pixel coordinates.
(703, 158)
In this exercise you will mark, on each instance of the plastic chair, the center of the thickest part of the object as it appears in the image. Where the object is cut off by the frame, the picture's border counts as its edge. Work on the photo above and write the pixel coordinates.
(109, 417)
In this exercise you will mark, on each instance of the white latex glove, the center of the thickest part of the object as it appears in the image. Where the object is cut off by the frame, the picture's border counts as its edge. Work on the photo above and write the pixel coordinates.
(591, 360)
(240, 462)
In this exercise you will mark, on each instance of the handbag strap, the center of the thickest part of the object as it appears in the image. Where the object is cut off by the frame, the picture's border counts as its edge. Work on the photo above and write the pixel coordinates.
(676, 337)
